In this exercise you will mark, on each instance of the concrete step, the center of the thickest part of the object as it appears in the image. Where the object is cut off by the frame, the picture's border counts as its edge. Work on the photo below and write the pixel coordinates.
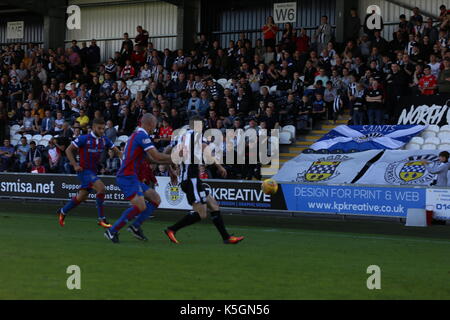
(289, 155)
(302, 143)
(297, 150)
(319, 132)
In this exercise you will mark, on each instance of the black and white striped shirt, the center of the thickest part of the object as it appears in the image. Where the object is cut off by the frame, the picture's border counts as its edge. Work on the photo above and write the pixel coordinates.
(191, 143)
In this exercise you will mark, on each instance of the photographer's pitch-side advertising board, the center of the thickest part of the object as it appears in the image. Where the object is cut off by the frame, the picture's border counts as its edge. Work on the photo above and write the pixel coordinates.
(378, 201)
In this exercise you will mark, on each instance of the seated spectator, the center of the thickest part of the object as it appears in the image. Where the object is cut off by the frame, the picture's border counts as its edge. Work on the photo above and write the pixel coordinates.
(203, 173)
(27, 123)
(162, 171)
(111, 132)
(6, 156)
(164, 135)
(48, 124)
(304, 114)
(193, 107)
(37, 166)
(112, 164)
(83, 119)
(59, 123)
(33, 153)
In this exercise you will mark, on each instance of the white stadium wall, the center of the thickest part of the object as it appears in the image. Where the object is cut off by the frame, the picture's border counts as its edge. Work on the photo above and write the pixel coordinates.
(391, 12)
(107, 23)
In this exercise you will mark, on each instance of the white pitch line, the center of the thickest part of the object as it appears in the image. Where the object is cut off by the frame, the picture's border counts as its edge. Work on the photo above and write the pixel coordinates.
(333, 235)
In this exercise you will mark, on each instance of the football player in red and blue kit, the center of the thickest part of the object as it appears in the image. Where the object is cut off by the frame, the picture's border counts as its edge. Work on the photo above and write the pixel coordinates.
(138, 146)
(90, 148)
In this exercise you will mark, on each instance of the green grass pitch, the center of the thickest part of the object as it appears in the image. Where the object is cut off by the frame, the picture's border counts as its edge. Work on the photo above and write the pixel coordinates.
(305, 261)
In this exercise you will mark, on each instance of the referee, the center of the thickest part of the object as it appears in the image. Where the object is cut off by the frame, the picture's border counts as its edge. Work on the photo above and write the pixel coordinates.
(192, 185)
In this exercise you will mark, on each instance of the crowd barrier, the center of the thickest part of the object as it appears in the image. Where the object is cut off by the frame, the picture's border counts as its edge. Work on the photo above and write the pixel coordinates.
(357, 200)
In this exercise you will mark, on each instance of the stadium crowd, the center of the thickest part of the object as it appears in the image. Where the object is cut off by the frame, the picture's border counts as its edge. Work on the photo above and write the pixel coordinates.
(316, 79)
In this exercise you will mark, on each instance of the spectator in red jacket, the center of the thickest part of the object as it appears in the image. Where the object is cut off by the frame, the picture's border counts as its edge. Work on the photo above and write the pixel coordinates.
(302, 42)
(428, 83)
(128, 72)
(38, 167)
(138, 58)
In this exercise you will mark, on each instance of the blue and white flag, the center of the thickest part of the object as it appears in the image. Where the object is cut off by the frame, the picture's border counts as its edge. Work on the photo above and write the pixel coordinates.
(364, 138)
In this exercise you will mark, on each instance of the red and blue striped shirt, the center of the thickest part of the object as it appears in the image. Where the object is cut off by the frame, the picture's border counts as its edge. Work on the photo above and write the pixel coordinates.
(134, 154)
(90, 149)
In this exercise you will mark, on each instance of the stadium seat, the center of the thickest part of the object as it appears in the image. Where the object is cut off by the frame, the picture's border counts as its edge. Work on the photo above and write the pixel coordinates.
(123, 139)
(47, 137)
(117, 143)
(444, 136)
(223, 82)
(273, 90)
(36, 138)
(13, 130)
(285, 138)
(428, 134)
(444, 147)
(29, 137)
(291, 129)
(413, 146)
(138, 83)
(433, 128)
(129, 83)
(43, 143)
(117, 128)
(14, 142)
(435, 141)
(445, 128)
(429, 146)
(418, 140)
(17, 136)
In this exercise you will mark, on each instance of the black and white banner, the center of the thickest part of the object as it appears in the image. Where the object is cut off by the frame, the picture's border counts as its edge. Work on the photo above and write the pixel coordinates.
(424, 110)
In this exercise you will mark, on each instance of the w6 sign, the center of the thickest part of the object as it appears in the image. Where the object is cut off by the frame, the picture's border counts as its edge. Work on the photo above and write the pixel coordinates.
(285, 12)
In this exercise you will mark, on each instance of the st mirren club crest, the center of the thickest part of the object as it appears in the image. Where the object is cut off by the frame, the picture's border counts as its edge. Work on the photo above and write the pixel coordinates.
(323, 169)
(410, 171)
(368, 137)
(174, 194)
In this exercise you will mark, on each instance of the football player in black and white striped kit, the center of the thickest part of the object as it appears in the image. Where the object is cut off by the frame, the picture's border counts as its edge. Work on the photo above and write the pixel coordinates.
(192, 185)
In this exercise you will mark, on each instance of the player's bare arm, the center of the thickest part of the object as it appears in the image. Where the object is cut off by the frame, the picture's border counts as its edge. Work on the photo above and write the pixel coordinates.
(70, 155)
(159, 157)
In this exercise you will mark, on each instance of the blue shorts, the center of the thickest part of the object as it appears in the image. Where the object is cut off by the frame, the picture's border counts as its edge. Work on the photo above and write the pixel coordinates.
(87, 179)
(131, 186)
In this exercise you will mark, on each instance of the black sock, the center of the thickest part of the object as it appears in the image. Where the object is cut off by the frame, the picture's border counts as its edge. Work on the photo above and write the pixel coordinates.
(188, 220)
(218, 222)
